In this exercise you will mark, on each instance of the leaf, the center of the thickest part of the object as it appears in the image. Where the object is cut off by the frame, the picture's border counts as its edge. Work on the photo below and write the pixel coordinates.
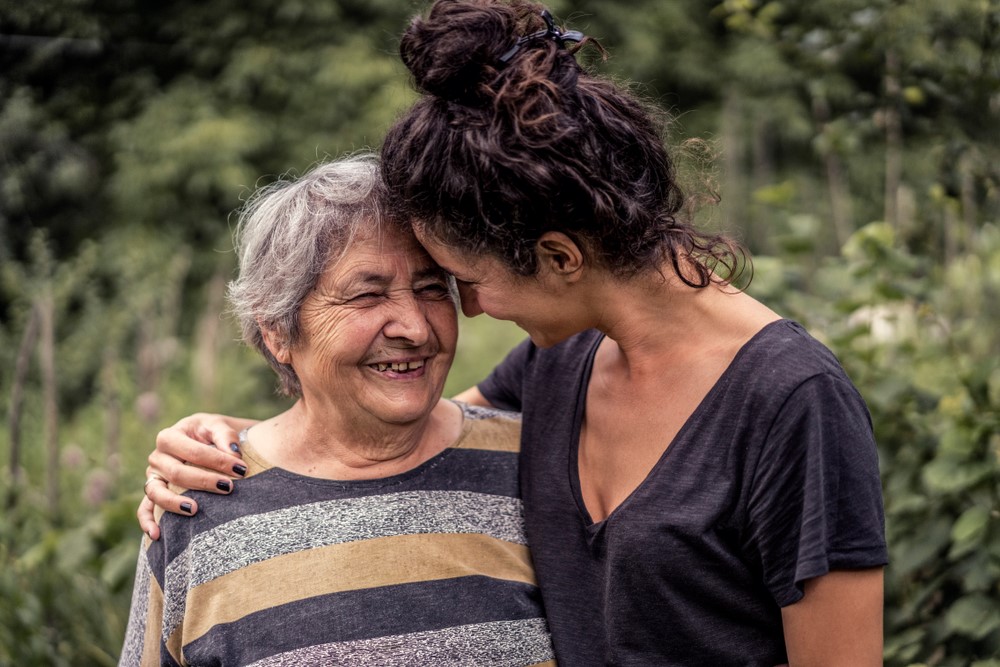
(905, 645)
(919, 549)
(946, 476)
(974, 616)
(968, 531)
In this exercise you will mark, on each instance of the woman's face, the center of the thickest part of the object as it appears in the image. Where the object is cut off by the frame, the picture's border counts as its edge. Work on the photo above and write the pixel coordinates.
(486, 285)
(378, 331)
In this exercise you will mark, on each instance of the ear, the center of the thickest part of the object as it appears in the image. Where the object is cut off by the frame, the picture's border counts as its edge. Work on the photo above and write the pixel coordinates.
(560, 255)
(276, 344)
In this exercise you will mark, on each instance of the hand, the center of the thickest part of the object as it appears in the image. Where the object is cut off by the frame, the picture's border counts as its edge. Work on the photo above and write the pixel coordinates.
(210, 444)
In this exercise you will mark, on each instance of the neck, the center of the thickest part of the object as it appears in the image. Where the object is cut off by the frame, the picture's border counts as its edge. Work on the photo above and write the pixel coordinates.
(657, 321)
(316, 441)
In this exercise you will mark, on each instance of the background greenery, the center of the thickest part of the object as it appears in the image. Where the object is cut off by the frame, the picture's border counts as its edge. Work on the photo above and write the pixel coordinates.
(858, 156)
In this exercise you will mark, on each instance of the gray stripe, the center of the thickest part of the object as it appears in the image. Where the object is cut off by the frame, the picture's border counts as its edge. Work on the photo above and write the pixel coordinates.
(135, 633)
(501, 643)
(259, 537)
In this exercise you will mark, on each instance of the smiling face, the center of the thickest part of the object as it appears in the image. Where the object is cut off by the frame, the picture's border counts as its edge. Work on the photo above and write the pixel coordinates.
(378, 332)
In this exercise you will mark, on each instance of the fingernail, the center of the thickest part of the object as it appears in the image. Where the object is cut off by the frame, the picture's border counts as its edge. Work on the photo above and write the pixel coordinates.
(240, 469)
(235, 447)
(186, 507)
(223, 486)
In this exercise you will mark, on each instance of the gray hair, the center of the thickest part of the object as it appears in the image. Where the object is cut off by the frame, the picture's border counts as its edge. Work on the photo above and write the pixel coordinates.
(288, 233)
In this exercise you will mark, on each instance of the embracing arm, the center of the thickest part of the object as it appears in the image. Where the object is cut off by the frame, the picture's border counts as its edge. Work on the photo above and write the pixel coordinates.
(210, 444)
(837, 622)
(472, 396)
(213, 466)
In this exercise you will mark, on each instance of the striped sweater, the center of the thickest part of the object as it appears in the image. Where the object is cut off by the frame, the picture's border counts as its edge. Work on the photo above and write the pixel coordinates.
(429, 567)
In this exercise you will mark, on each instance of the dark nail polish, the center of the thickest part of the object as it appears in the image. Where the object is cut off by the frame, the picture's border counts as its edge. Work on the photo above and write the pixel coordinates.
(223, 486)
(186, 507)
(235, 447)
(240, 469)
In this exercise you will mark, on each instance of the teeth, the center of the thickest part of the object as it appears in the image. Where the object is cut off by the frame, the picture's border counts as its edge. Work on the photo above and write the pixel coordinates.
(407, 366)
(404, 366)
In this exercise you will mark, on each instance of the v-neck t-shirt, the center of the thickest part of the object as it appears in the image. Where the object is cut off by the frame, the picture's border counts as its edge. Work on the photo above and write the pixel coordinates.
(772, 480)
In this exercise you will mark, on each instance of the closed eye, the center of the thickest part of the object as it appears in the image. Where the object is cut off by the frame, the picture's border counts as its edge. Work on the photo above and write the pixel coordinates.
(433, 290)
(366, 297)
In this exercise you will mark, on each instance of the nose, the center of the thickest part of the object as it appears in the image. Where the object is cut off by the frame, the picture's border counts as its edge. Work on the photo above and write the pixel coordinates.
(470, 301)
(408, 319)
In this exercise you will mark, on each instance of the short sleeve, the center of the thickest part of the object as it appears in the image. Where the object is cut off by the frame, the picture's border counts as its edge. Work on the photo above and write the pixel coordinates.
(816, 501)
(503, 388)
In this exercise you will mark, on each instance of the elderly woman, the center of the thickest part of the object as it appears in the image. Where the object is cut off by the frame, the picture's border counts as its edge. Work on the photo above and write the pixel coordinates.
(377, 524)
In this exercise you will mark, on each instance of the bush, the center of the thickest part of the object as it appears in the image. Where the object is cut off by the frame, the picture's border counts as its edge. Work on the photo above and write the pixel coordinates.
(921, 343)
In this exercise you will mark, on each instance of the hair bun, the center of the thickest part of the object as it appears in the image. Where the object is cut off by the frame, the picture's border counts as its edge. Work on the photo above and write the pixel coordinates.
(457, 47)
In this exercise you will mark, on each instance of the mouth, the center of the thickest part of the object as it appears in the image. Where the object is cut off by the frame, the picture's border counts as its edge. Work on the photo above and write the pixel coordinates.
(399, 367)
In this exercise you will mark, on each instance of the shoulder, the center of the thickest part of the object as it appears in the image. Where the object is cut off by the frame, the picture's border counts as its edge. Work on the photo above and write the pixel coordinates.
(784, 380)
(783, 356)
(490, 429)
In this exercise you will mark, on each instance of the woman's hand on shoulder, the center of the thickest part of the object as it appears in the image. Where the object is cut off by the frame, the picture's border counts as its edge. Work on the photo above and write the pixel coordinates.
(199, 452)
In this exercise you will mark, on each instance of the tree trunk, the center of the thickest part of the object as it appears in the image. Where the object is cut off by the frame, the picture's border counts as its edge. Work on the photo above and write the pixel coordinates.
(28, 340)
(836, 181)
(112, 412)
(763, 160)
(207, 339)
(893, 140)
(970, 210)
(47, 362)
(735, 199)
(950, 232)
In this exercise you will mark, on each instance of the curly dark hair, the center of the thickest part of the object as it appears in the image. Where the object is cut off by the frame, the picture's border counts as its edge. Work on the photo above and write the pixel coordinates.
(494, 154)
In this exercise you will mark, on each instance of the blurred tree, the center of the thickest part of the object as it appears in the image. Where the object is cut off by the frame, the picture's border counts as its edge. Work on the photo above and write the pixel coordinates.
(122, 113)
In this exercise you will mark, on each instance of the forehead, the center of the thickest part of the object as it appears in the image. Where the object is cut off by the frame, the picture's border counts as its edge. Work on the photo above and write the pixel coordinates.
(384, 251)
(451, 259)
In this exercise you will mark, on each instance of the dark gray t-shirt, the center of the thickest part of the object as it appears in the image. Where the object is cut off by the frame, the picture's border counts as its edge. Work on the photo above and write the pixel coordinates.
(772, 481)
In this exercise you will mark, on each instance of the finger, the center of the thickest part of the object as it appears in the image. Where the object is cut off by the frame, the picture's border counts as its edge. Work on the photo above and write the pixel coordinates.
(176, 444)
(147, 521)
(221, 435)
(158, 493)
(191, 476)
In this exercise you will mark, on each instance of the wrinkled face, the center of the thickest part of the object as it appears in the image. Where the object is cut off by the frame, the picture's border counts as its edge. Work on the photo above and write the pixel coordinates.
(486, 285)
(378, 332)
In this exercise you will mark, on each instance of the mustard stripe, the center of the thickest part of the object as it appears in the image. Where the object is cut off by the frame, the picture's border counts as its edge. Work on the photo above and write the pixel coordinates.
(152, 638)
(496, 433)
(335, 568)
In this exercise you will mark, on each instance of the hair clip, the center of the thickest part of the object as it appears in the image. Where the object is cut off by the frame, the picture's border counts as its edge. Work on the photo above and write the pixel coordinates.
(550, 32)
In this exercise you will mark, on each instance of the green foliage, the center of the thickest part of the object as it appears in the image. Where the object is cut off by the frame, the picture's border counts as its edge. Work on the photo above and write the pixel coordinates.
(128, 135)
(66, 596)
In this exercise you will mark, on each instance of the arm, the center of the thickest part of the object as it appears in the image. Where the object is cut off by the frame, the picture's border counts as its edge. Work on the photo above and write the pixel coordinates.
(837, 622)
(817, 523)
(472, 396)
(212, 467)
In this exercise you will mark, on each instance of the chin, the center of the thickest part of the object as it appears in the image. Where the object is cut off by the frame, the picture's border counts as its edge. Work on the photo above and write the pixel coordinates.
(547, 339)
(406, 410)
